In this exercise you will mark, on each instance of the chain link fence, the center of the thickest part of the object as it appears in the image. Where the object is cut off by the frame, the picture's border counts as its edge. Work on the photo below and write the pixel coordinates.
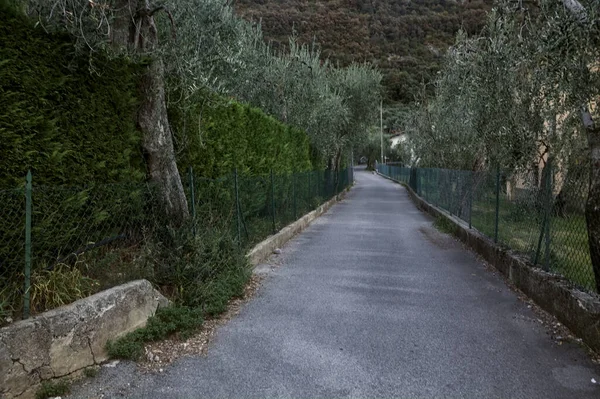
(538, 212)
(61, 243)
(12, 249)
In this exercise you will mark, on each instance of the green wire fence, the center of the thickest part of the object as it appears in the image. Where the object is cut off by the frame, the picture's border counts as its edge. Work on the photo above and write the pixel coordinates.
(540, 216)
(93, 233)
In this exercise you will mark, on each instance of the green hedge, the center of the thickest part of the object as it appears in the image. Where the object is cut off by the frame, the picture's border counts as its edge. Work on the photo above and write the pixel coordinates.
(70, 118)
(221, 134)
(67, 117)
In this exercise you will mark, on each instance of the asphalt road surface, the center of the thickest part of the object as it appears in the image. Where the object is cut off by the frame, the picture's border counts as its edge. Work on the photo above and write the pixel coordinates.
(372, 301)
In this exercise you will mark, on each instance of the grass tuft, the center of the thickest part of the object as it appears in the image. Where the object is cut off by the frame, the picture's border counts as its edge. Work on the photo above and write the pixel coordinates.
(60, 286)
(444, 225)
(90, 372)
(51, 389)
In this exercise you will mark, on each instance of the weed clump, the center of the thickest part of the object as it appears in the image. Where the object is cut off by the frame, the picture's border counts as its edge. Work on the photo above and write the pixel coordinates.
(90, 372)
(167, 321)
(60, 286)
(444, 225)
(51, 389)
(199, 272)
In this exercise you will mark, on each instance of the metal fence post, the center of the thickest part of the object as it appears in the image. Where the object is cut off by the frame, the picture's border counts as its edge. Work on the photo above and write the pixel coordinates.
(193, 195)
(444, 192)
(319, 188)
(471, 194)
(497, 203)
(548, 213)
(349, 175)
(26, 296)
(428, 185)
(440, 186)
(309, 190)
(536, 256)
(455, 184)
(273, 202)
(294, 192)
(436, 197)
(237, 208)
(450, 187)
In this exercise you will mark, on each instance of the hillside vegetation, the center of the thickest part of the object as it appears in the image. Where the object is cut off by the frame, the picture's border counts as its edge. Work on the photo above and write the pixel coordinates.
(405, 39)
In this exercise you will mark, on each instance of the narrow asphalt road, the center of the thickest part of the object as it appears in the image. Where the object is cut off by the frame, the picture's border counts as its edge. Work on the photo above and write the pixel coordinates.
(372, 301)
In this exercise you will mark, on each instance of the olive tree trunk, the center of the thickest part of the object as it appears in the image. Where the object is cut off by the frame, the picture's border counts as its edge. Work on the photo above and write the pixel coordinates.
(134, 28)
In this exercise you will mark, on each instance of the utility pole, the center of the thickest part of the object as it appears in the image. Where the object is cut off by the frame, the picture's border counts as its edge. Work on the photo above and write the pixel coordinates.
(381, 128)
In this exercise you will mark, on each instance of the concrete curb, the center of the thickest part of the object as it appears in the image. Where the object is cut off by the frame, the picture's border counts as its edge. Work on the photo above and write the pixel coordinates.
(265, 248)
(577, 310)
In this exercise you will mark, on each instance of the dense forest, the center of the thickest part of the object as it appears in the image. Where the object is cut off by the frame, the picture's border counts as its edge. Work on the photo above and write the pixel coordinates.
(405, 39)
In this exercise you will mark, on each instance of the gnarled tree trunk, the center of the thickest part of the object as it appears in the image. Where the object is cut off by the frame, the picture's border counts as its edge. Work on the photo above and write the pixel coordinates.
(134, 28)
(157, 143)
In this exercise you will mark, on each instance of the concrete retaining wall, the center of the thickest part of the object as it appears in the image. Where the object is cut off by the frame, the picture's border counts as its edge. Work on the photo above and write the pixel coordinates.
(577, 310)
(62, 341)
(265, 248)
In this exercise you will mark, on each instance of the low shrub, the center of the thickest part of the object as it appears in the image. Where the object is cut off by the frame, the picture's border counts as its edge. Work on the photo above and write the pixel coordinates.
(51, 389)
(444, 225)
(202, 270)
(90, 372)
(182, 320)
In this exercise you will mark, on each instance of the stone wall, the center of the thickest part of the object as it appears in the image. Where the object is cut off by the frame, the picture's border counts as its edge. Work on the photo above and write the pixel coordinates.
(265, 248)
(70, 338)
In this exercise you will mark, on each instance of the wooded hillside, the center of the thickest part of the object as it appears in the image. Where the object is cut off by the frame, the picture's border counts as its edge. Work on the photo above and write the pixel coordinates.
(406, 39)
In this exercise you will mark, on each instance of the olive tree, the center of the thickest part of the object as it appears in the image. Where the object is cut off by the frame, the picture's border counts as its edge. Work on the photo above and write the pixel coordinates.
(359, 87)
(522, 94)
(128, 27)
(190, 45)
